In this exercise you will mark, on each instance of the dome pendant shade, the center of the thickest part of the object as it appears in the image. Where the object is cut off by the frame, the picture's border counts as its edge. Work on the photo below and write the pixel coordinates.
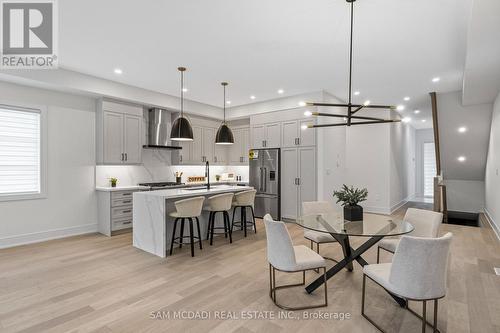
(224, 135)
(181, 130)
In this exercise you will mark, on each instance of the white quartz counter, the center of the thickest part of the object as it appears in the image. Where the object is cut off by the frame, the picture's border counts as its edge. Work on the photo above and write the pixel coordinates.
(121, 188)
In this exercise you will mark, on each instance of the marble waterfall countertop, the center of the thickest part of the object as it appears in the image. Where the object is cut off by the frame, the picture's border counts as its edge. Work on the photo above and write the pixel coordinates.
(152, 225)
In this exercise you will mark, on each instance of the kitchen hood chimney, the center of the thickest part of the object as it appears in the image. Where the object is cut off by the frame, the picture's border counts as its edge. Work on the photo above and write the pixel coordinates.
(159, 129)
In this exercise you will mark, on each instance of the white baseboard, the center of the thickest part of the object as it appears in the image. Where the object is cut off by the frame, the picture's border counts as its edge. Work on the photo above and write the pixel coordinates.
(493, 224)
(42, 236)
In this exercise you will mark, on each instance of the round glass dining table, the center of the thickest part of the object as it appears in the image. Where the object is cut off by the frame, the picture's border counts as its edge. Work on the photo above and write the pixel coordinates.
(373, 226)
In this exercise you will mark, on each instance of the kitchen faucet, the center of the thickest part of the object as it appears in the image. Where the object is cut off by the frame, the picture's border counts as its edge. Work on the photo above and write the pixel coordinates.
(207, 174)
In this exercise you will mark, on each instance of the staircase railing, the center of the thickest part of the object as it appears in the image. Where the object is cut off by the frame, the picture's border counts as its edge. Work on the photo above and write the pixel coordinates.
(440, 204)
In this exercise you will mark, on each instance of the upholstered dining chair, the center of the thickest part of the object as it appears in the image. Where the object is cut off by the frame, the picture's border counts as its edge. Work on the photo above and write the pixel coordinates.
(425, 222)
(316, 237)
(417, 273)
(283, 256)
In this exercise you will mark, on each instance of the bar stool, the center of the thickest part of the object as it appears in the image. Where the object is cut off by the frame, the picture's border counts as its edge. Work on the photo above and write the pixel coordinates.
(220, 203)
(187, 209)
(244, 200)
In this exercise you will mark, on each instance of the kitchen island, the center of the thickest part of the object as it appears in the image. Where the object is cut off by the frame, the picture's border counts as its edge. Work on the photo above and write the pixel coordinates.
(152, 225)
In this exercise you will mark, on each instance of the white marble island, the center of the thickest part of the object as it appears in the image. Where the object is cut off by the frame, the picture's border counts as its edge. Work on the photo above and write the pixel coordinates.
(152, 227)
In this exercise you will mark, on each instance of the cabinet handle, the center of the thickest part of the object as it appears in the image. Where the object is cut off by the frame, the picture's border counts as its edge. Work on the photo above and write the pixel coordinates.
(298, 141)
(126, 211)
(122, 157)
(127, 201)
(126, 194)
(127, 222)
(126, 157)
(180, 157)
(298, 181)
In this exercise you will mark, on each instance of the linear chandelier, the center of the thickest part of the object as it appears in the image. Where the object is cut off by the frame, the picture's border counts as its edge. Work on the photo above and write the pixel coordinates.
(352, 109)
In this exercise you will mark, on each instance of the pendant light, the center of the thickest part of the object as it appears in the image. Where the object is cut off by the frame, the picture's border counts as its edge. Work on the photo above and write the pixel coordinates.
(352, 109)
(224, 134)
(181, 128)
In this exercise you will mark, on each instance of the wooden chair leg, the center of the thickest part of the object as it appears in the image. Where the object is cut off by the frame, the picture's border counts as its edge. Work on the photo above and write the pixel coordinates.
(209, 223)
(244, 219)
(226, 220)
(378, 254)
(232, 221)
(212, 228)
(424, 315)
(435, 316)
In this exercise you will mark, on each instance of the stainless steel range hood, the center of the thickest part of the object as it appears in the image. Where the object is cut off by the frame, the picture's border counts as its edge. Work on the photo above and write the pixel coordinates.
(159, 130)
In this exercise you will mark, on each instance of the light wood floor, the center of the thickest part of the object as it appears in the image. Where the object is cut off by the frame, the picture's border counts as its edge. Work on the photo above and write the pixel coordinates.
(97, 284)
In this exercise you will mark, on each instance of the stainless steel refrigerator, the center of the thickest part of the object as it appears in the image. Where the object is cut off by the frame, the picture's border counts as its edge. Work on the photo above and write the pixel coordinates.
(265, 178)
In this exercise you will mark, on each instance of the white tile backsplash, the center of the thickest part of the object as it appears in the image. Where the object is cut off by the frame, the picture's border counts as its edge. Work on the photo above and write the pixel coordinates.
(157, 167)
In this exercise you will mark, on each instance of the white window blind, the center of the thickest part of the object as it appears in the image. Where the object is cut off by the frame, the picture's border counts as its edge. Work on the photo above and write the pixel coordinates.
(429, 168)
(20, 161)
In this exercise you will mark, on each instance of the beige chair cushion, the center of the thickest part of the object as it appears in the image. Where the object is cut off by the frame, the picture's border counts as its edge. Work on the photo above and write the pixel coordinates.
(188, 207)
(389, 244)
(244, 198)
(418, 270)
(305, 258)
(219, 203)
(318, 237)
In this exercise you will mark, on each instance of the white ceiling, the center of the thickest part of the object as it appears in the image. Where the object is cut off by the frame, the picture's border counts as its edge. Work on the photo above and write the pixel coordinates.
(260, 46)
(482, 66)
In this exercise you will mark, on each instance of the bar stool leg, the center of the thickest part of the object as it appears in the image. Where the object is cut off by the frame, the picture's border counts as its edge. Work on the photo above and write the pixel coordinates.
(173, 236)
(212, 229)
(244, 219)
(209, 222)
(182, 233)
(232, 221)
(226, 220)
(253, 218)
(191, 238)
(226, 227)
(199, 233)
(241, 217)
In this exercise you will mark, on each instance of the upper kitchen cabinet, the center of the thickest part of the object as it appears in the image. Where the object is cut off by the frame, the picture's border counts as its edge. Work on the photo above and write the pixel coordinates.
(266, 135)
(119, 133)
(238, 152)
(294, 135)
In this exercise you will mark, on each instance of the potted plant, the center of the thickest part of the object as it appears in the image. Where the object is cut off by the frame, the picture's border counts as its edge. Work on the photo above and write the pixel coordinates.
(350, 197)
(113, 181)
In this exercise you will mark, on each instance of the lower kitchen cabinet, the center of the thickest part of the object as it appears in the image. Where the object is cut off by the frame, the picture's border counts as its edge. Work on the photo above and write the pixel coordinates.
(114, 211)
(298, 179)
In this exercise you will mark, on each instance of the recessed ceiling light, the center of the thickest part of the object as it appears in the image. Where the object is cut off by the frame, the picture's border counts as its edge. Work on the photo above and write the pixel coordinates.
(252, 97)
(406, 119)
(400, 107)
(367, 102)
(424, 120)
(462, 129)
(356, 93)
(280, 91)
(461, 158)
(118, 71)
(436, 79)
(308, 113)
(417, 111)
(185, 90)
(406, 98)
(228, 102)
(302, 103)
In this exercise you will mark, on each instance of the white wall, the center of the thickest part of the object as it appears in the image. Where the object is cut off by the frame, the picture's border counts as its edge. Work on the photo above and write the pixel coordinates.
(465, 195)
(492, 179)
(402, 164)
(70, 206)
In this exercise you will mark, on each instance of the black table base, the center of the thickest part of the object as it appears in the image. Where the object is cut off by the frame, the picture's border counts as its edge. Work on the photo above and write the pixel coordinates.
(350, 255)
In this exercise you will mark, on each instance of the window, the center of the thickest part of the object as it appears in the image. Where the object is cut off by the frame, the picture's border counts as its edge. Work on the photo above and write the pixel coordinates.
(429, 169)
(21, 153)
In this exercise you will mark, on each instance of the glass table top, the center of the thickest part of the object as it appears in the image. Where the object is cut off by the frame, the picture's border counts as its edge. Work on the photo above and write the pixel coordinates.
(372, 225)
